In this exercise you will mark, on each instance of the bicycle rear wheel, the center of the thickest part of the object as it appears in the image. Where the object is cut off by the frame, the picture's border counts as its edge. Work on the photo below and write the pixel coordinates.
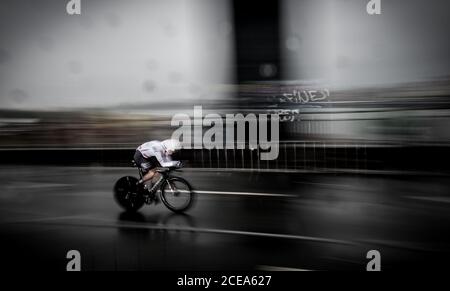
(127, 194)
(177, 194)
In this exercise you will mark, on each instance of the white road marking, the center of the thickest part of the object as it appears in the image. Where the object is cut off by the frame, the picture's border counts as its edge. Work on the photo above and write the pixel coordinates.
(431, 199)
(243, 193)
(43, 219)
(90, 221)
(275, 268)
(328, 184)
(113, 224)
(27, 185)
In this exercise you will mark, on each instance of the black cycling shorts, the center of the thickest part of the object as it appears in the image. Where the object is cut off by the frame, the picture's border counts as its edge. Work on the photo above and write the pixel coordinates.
(145, 164)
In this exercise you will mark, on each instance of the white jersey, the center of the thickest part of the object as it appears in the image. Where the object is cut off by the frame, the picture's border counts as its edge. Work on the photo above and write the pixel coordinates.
(157, 149)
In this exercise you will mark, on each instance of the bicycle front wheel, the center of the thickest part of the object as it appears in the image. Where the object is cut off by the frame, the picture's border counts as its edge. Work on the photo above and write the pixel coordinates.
(177, 194)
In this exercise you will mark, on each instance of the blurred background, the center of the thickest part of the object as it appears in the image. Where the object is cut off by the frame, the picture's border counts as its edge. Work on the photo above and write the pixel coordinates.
(364, 133)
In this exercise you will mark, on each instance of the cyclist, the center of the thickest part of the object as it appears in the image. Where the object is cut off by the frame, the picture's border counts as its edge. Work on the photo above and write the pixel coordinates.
(155, 153)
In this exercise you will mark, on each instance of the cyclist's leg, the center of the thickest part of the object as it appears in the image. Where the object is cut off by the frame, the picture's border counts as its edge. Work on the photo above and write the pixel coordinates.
(146, 167)
(154, 176)
(148, 176)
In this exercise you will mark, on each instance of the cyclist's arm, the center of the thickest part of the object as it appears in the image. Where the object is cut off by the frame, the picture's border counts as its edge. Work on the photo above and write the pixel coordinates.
(165, 160)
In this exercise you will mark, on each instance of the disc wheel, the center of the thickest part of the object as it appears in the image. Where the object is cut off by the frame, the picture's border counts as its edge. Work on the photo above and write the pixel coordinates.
(127, 194)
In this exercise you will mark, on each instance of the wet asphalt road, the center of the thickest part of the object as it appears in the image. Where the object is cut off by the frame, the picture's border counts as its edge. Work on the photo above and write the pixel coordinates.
(306, 221)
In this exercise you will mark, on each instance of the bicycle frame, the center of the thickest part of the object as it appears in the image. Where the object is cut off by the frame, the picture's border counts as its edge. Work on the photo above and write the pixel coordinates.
(158, 183)
(163, 176)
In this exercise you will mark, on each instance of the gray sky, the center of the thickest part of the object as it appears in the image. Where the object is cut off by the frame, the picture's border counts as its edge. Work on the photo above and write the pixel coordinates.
(114, 52)
(336, 40)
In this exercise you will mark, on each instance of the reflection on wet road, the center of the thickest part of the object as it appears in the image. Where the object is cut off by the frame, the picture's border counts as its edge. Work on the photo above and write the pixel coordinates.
(239, 221)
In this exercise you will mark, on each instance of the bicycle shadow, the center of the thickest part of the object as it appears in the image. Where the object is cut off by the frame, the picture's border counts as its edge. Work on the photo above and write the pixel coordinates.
(170, 219)
(166, 226)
